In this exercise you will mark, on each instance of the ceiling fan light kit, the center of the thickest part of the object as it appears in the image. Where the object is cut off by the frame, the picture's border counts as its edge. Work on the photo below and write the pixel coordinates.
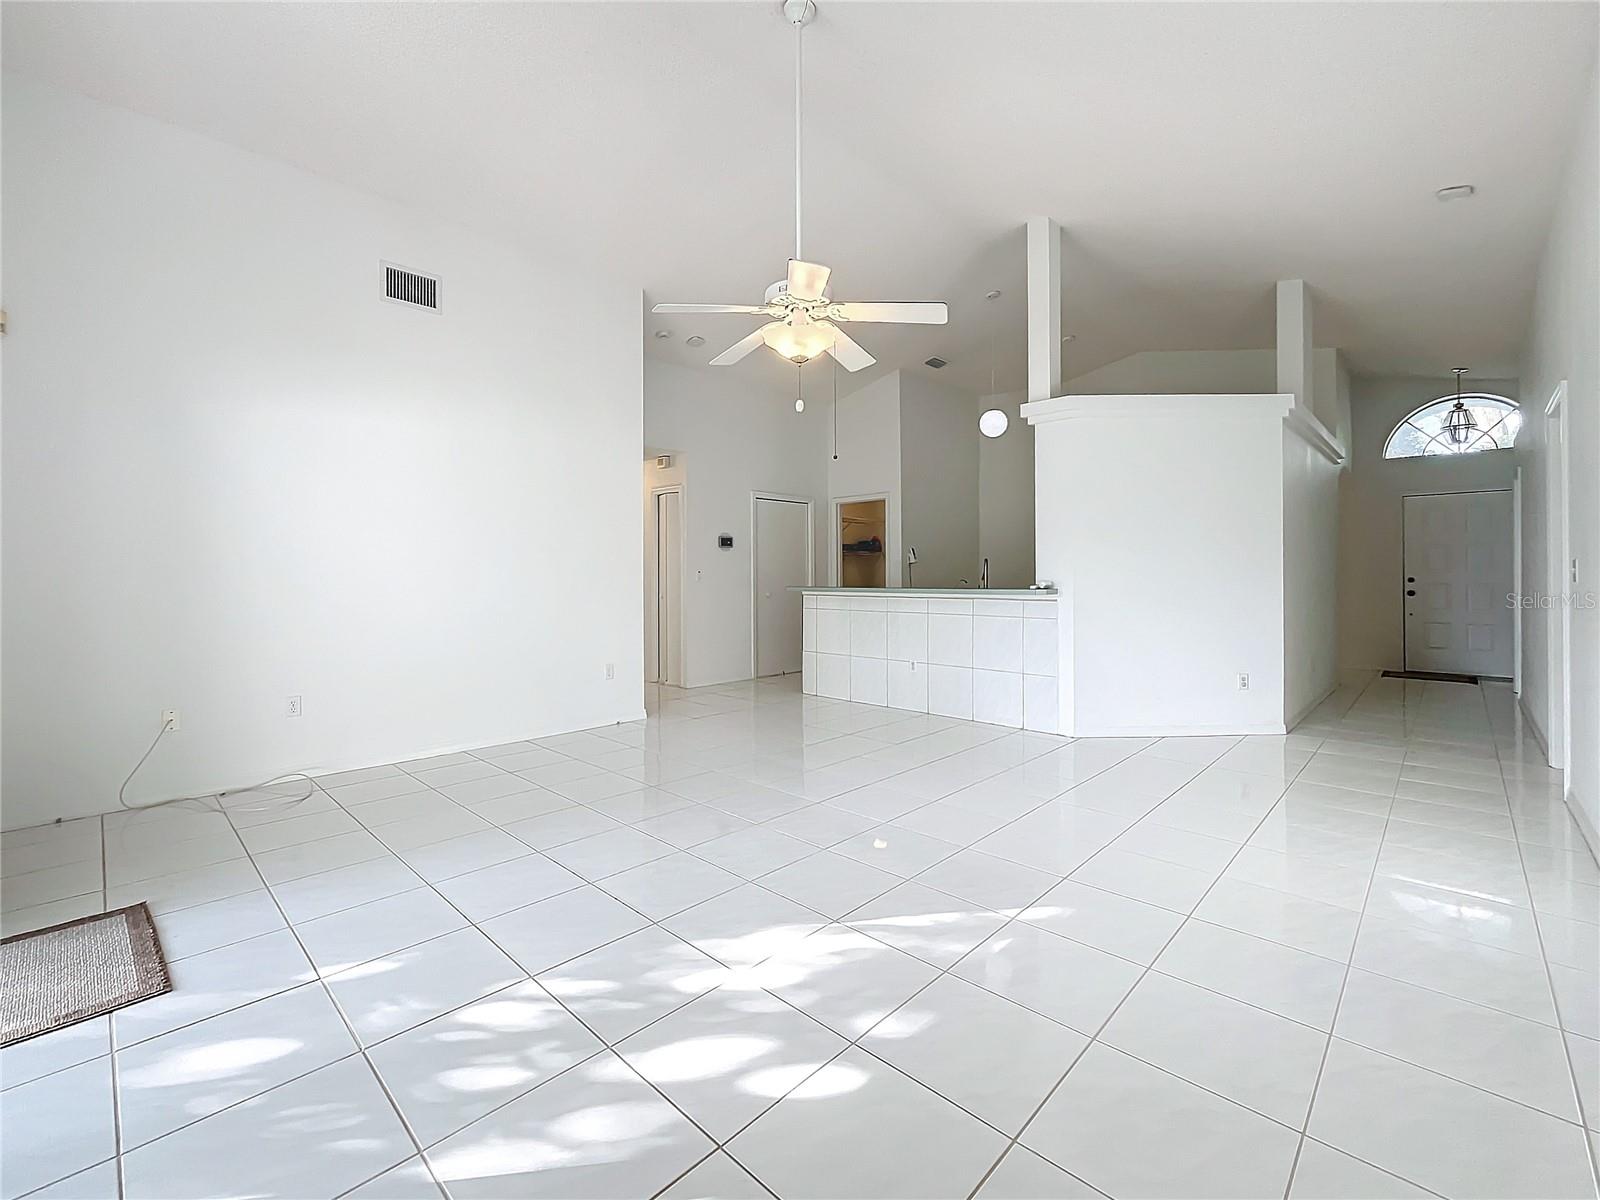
(806, 320)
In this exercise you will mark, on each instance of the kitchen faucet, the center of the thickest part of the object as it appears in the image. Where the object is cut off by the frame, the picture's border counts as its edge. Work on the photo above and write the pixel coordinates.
(983, 578)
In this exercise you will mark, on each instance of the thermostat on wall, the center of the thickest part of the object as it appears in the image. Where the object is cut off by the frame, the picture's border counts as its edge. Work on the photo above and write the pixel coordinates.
(724, 541)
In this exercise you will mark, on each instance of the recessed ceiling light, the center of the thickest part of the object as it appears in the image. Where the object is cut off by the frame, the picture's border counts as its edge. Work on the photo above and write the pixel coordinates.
(1458, 191)
(663, 334)
(694, 339)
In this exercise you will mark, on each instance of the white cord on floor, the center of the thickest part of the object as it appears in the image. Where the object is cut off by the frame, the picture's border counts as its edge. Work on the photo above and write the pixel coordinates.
(270, 805)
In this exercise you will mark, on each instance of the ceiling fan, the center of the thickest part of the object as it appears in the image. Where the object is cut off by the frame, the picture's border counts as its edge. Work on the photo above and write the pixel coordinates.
(806, 320)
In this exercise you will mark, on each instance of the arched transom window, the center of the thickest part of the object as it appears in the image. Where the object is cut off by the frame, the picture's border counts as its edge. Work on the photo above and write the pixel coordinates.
(1430, 429)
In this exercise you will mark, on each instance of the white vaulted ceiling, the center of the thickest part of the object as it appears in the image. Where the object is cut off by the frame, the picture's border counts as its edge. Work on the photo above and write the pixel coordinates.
(1194, 153)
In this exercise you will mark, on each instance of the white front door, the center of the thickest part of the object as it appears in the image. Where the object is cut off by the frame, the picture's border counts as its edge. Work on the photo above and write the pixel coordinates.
(1457, 577)
(669, 587)
(782, 560)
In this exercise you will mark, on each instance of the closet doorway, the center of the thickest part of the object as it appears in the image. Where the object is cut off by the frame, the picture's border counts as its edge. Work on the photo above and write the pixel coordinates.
(664, 620)
(863, 545)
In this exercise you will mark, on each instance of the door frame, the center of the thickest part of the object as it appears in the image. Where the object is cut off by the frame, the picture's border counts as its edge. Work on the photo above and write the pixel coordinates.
(1405, 629)
(891, 564)
(653, 580)
(1516, 582)
(755, 564)
(1558, 552)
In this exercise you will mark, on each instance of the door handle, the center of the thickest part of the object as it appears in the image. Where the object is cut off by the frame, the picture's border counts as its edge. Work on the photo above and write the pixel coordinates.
(1411, 591)
(1411, 578)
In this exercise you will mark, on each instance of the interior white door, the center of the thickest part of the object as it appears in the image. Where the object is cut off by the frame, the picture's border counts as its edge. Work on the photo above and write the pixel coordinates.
(669, 587)
(1457, 577)
(782, 561)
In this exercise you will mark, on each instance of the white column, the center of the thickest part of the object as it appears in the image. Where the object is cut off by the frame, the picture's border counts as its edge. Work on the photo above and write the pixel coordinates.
(1044, 308)
(1044, 383)
(1295, 367)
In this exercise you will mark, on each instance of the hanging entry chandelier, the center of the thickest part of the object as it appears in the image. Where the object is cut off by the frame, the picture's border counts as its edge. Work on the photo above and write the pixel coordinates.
(1460, 426)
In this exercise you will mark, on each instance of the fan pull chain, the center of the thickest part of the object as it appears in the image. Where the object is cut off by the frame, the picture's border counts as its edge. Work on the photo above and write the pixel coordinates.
(836, 410)
(799, 394)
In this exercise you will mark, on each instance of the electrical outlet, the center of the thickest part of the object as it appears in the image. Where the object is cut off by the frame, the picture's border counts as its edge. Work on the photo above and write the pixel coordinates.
(294, 706)
(611, 670)
(169, 720)
(1244, 682)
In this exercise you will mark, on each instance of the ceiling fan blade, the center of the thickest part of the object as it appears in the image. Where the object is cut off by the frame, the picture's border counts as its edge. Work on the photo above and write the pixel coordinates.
(749, 309)
(931, 312)
(807, 281)
(738, 350)
(848, 351)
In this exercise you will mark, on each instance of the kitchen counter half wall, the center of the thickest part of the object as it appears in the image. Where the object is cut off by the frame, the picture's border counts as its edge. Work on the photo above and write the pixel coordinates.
(980, 655)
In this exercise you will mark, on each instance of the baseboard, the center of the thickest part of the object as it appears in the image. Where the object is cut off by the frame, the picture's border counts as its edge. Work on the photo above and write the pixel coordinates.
(1580, 818)
(315, 771)
(1122, 731)
(1533, 724)
(1310, 708)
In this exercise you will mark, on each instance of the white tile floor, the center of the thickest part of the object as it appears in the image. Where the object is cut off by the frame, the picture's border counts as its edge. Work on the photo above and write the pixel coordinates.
(765, 943)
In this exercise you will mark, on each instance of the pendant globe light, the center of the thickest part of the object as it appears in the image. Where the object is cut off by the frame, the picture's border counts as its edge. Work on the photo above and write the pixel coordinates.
(1460, 426)
(994, 422)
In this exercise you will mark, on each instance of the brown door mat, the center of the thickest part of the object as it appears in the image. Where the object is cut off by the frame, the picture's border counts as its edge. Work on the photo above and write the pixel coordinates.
(1432, 676)
(54, 977)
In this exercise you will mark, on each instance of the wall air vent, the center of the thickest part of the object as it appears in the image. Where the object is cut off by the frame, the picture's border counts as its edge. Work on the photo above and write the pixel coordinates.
(936, 362)
(404, 286)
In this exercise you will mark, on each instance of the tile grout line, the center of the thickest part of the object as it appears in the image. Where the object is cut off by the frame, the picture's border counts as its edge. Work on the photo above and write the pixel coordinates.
(422, 883)
(827, 920)
(333, 1000)
(722, 1144)
(111, 1037)
(1344, 982)
(1550, 984)
(604, 1047)
(362, 1050)
(719, 1144)
(1094, 1038)
(1016, 1139)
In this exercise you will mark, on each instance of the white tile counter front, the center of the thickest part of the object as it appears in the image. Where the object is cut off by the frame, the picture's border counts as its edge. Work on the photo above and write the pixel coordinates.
(981, 656)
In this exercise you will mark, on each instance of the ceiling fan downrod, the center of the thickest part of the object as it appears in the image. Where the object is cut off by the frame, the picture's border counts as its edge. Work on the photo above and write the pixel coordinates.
(804, 321)
(799, 13)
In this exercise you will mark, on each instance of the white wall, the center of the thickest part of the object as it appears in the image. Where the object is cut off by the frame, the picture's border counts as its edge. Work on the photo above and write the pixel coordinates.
(1562, 345)
(1330, 393)
(1310, 574)
(1179, 372)
(869, 464)
(939, 480)
(730, 437)
(1371, 558)
(1221, 372)
(233, 474)
(1169, 557)
(1005, 495)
